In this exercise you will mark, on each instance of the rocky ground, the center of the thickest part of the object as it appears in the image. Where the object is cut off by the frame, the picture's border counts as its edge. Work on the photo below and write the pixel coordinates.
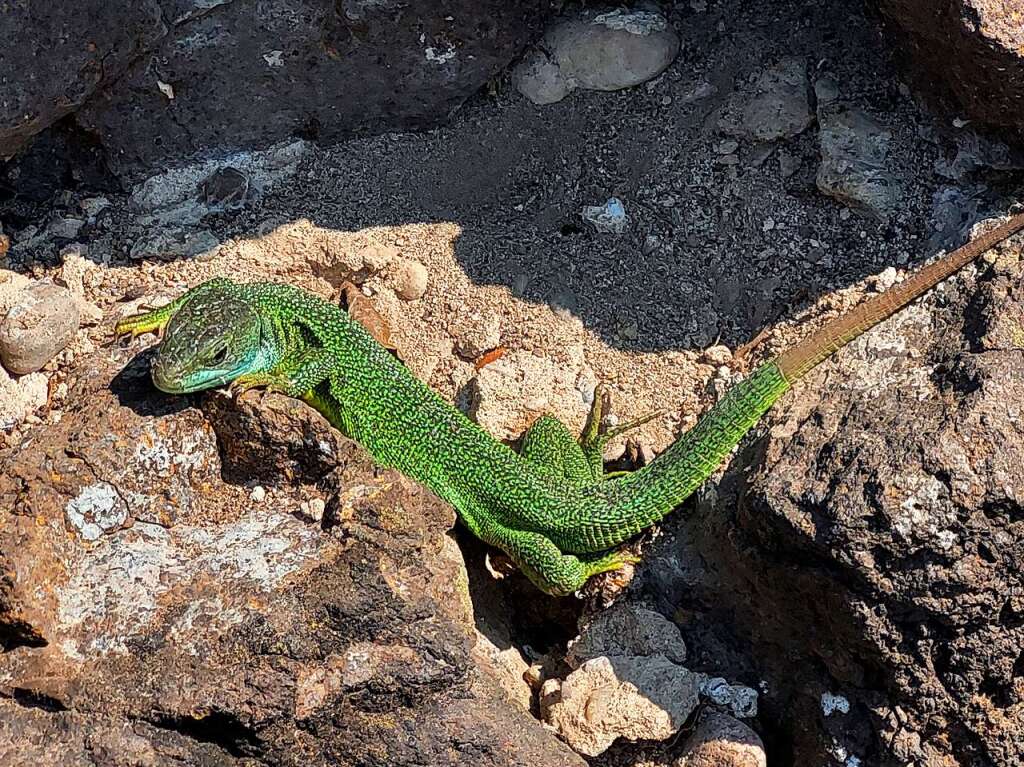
(226, 583)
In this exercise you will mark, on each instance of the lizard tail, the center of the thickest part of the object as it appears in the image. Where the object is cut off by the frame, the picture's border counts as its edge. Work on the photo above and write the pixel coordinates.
(635, 502)
(794, 363)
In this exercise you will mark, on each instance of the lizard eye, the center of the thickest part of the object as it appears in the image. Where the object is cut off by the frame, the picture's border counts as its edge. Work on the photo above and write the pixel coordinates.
(219, 356)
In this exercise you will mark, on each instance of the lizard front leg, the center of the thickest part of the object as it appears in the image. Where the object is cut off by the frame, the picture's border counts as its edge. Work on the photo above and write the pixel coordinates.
(155, 320)
(296, 376)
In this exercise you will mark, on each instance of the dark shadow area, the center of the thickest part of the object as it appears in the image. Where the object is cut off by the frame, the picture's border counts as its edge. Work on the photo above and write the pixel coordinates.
(711, 251)
(63, 158)
(512, 611)
(134, 389)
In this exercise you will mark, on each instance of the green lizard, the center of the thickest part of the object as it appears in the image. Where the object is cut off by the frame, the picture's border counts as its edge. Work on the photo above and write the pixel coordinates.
(550, 506)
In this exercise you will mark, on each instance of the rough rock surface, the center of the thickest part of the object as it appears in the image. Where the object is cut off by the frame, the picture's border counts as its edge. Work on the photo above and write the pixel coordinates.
(62, 53)
(967, 54)
(42, 320)
(621, 696)
(20, 396)
(627, 629)
(506, 396)
(855, 159)
(157, 82)
(883, 538)
(152, 615)
(775, 106)
(604, 51)
(721, 741)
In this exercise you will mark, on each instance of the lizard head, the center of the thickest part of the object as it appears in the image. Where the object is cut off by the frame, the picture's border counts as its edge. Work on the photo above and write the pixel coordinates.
(209, 342)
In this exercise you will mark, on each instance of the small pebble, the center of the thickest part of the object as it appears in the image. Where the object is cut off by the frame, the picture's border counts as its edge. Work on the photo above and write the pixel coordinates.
(314, 508)
(92, 206)
(886, 279)
(258, 494)
(409, 278)
(42, 321)
(718, 355)
(66, 228)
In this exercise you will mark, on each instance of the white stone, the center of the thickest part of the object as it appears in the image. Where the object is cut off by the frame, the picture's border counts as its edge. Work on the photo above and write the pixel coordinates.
(608, 698)
(606, 52)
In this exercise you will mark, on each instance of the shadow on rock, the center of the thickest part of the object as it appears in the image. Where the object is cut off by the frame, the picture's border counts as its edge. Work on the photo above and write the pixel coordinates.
(134, 389)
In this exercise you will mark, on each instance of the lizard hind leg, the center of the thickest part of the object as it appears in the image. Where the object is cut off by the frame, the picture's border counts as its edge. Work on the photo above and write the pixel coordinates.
(546, 566)
(549, 445)
(540, 560)
(595, 435)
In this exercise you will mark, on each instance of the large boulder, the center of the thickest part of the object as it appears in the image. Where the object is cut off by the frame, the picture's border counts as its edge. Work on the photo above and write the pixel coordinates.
(874, 560)
(58, 54)
(966, 54)
(159, 83)
(169, 595)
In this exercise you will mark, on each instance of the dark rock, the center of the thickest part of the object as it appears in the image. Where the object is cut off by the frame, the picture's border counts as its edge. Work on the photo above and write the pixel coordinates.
(200, 629)
(967, 55)
(58, 54)
(721, 741)
(322, 71)
(225, 189)
(274, 439)
(874, 562)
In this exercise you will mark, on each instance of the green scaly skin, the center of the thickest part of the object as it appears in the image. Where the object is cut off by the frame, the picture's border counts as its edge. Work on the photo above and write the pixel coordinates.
(550, 507)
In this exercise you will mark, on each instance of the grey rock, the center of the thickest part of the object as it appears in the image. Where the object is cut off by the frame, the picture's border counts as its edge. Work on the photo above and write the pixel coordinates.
(93, 206)
(227, 188)
(721, 741)
(167, 245)
(627, 629)
(62, 54)
(604, 51)
(774, 107)
(183, 196)
(65, 228)
(854, 165)
(539, 77)
(954, 211)
(699, 91)
(740, 699)
(317, 69)
(976, 153)
(42, 320)
(165, 83)
(825, 90)
(619, 697)
(609, 218)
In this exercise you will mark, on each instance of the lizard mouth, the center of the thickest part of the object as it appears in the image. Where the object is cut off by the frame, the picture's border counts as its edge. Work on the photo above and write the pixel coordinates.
(178, 382)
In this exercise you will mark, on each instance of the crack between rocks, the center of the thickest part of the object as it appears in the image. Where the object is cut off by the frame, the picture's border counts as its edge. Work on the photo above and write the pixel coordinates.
(27, 698)
(217, 728)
